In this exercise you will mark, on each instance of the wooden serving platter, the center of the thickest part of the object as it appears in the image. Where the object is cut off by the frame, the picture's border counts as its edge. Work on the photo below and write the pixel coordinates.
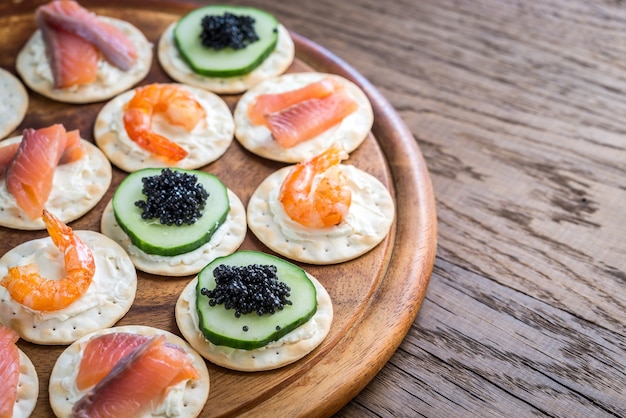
(375, 297)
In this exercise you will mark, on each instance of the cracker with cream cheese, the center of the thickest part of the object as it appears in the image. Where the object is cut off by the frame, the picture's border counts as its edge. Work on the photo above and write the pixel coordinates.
(14, 102)
(27, 388)
(367, 223)
(184, 400)
(108, 298)
(207, 142)
(175, 66)
(76, 188)
(349, 133)
(288, 349)
(32, 65)
(226, 239)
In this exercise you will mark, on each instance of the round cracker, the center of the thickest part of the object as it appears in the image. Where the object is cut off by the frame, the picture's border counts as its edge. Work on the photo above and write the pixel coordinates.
(185, 400)
(13, 104)
(108, 298)
(226, 239)
(27, 388)
(350, 132)
(367, 223)
(32, 65)
(175, 66)
(288, 349)
(207, 142)
(76, 188)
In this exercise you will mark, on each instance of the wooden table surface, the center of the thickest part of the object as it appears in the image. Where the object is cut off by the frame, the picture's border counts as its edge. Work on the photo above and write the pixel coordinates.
(519, 109)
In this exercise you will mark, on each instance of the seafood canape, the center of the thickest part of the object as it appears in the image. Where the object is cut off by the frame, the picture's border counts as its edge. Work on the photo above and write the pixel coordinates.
(20, 383)
(172, 222)
(251, 311)
(53, 168)
(164, 125)
(296, 116)
(76, 56)
(56, 289)
(13, 104)
(225, 49)
(129, 371)
(320, 211)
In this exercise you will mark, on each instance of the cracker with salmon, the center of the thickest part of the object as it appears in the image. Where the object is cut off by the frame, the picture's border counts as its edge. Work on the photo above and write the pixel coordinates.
(296, 116)
(162, 375)
(14, 102)
(77, 57)
(201, 134)
(56, 289)
(50, 168)
(277, 62)
(349, 215)
(20, 383)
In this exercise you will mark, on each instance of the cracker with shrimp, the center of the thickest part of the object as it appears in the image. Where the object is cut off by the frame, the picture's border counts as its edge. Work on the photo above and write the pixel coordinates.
(366, 215)
(311, 111)
(175, 66)
(184, 396)
(286, 350)
(92, 58)
(226, 239)
(13, 104)
(195, 127)
(76, 187)
(54, 293)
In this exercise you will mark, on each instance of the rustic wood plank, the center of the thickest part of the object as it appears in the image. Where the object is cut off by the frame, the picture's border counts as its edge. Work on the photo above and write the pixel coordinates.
(482, 349)
(518, 108)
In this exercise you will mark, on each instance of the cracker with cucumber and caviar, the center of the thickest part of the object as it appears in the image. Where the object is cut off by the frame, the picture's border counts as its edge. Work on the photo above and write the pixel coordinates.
(172, 222)
(252, 311)
(258, 47)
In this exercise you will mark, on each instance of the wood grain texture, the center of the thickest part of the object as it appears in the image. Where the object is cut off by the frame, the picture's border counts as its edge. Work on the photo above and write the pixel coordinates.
(518, 108)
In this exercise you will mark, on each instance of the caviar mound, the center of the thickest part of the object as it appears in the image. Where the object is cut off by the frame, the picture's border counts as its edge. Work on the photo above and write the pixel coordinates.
(171, 225)
(225, 41)
(261, 299)
(175, 197)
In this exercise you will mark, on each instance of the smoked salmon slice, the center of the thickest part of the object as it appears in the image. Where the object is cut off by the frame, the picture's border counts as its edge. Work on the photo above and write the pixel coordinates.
(74, 149)
(137, 382)
(309, 118)
(7, 153)
(72, 59)
(102, 353)
(75, 38)
(31, 172)
(270, 103)
(9, 370)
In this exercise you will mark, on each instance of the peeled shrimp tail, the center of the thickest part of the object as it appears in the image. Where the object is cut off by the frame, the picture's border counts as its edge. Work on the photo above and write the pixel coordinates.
(177, 105)
(28, 288)
(314, 193)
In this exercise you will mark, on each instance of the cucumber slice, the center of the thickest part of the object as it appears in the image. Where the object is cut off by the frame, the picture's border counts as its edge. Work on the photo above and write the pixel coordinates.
(150, 235)
(227, 62)
(251, 331)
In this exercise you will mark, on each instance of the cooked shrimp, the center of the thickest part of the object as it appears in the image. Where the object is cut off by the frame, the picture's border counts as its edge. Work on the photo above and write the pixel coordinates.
(28, 288)
(314, 193)
(178, 106)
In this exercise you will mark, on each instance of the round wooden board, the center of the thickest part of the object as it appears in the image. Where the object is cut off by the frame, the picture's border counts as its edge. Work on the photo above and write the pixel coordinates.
(376, 297)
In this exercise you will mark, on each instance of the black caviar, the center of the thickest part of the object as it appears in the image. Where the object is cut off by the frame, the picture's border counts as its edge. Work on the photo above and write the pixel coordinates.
(246, 289)
(228, 30)
(176, 198)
